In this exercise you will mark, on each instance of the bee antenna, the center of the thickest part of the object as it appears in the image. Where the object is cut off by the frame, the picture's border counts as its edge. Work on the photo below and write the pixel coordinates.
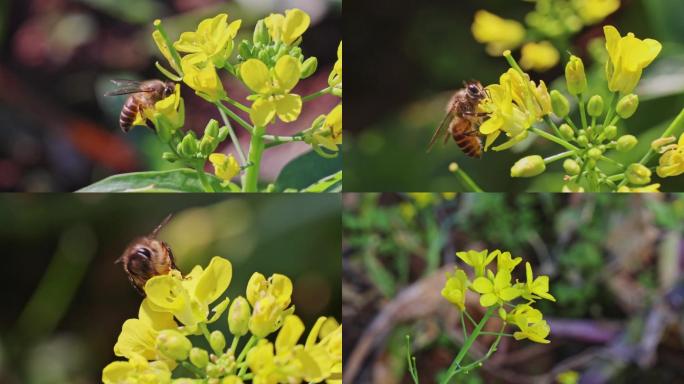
(161, 225)
(120, 259)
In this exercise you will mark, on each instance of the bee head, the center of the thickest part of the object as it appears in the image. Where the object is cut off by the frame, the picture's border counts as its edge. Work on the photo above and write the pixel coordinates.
(169, 88)
(475, 91)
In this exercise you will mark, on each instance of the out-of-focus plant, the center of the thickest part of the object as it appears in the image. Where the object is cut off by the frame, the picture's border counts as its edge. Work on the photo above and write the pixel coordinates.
(158, 343)
(498, 294)
(516, 106)
(550, 27)
(270, 65)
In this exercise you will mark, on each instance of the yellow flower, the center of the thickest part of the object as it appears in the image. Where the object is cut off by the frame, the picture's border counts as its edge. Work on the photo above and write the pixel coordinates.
(504, 262)
(495, 289)
(499, 34)
(477, 260)
(540, 56)
(523, 312)
(628, 56)
(289, 27)
(164, 48)
(167, 114)
(536, 331)
(136, 370)
(593, 11)
(324, 345)
(671, 162)
(273, 89)
(514, 105)
(213, 37)
(455, 288)
(335, 77)
(536, 288)
(138, 335)
(329, 132)
(225, 167)
(199, 73)
(188, 298)
(645, 189)
(270, 300)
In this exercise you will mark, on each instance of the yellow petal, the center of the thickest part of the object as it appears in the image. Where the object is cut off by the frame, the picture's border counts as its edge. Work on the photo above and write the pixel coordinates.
(262, 112)
(287, 72)
(291, 331)
(214, 281)
(296, 22)
(255, 75)
(488, 299)
(483, 285)
(288, 107)
(274, 22)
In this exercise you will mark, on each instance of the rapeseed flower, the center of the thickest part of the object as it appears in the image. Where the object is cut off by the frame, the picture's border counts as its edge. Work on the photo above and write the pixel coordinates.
(456, 287)
(477, 260)
(225, 166)
(671, 162)
(289, 27)
(499, 34)
(495, 289)
(213, 37)
(628, 56)
(539, 56)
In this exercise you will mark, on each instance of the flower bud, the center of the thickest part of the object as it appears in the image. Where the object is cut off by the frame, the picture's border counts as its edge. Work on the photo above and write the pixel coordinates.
(238, 316)
(566, 132)
(199, 357)
(169, 156)
(173, 344)
(188, 146)
(214, 370)
(309, 67)
(610, 132)
(626, 143)
(260, 35)
(244, 50)
(217, 342)
(528, 166)
(559, 104)
(582, 140)
(575, 76)
(212, 128)
(627, 106)
(571, 167)
(595, 106)
(594, 153)
(638, 174)
(222, 133)
(660, 142)
(207, 145)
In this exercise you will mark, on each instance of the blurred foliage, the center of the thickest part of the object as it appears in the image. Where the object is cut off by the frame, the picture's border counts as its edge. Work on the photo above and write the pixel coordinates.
(399, 89)
(65, 300)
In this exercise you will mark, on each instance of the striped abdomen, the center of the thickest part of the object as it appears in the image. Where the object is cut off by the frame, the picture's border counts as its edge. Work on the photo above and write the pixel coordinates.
(467, 138)
(128, 113)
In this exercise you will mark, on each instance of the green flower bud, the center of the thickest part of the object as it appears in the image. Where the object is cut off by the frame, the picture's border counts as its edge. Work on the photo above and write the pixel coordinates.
(559, 104)
(309, 67)
(260, 33)
(566, 132)
(173, 344)
(212, 128)
(594, 153)
(207, 145)
(336, 91)
(582, 140)
(244, 50)
(627, 106)
(610, 132)
(214, 370)
(217, 342)
(169, 156)
(638, 174)
(238, 316)
(199, 357)
(222, 133)
(188, 145)
(575, 76)
(264, 56)
(571, 167)
(595, 106)
(528, 166)
(626, 143)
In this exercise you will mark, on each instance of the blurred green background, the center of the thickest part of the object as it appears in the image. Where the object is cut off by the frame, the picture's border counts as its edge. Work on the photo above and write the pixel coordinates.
(405, 58)
(616, 269)
(64, 300)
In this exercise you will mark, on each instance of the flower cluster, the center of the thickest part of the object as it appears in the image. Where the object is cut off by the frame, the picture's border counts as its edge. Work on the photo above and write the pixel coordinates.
(551, 21)
(498, 290)
(177, 308)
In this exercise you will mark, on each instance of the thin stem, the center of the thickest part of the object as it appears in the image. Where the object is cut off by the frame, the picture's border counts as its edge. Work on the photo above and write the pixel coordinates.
(611, 107)
(413, 370)
(558, 156)
(583, 112)
(174, 54)
(237, 118)
(314, 95)
(497, 334)
(491, 350)
(196, 371)
(570, 122)
(233, 136)
(465, 179)
(512, 62)
(555, 139)
(237, 104)
(465, 332)
(456, 364)
(205, 332)
(243, 353)
(616, 177)
(470, 318)
(199, 167)
(552, 124)
(234, 344)
(256, 150)
(283, 139)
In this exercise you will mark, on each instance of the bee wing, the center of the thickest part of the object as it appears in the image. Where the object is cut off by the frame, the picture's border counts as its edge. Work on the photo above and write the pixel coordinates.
(125, 87)
(445, 122)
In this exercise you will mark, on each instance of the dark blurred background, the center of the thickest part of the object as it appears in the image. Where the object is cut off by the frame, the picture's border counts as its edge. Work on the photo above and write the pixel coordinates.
(405, 58)
(64, 300)
(57, 132)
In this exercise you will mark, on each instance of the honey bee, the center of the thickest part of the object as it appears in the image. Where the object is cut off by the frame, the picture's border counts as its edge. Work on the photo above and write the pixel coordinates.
(142, 94)
(462, 119)
(146, 257)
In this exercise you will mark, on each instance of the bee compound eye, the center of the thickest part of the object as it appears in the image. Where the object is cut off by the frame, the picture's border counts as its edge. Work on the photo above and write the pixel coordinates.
(144, 252)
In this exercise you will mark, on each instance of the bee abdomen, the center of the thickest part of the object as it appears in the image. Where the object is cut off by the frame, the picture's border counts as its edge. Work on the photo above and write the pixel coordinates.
(128, 114)
(470, 144)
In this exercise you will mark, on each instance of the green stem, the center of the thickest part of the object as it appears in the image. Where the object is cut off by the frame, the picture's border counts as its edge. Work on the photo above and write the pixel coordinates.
(199, 167)
(491, 350)
(234, 344)
(558, 156)
(465, 179)
(237, 104)
(570, 123)
(314, 95)
(283, 139)
(174, 54)
(583, 112)
(256, 150)
(465, 332)
(231, 133)
(243, 354)
(456, 364)
(611, 107)
(497, 334)
(552, 124)
(205, 332)
(196, 371)
(512, 62)
(413, 370)
(555, 139)
(237, 118)
(470, 318)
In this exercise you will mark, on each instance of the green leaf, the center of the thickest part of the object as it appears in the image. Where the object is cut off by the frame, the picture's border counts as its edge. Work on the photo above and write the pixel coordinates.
(332, 183)
(175, 180)
(307, 170)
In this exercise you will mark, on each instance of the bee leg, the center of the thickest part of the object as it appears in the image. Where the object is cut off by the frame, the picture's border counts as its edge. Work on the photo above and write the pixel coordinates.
(149, 125)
